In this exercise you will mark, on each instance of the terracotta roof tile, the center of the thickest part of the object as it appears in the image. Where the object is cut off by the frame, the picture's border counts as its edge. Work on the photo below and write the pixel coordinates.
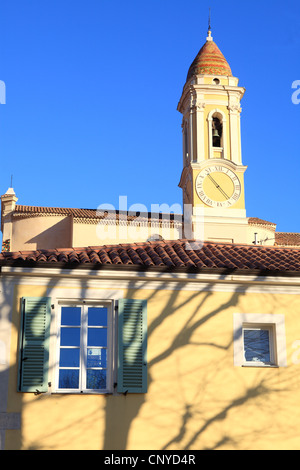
(209, 61)
(287, 239)
(169, 255)
(103, 256)
(27, 211)
(144, 257)
(258, 221)
(20, 209)
(124, 256)
(173, 256)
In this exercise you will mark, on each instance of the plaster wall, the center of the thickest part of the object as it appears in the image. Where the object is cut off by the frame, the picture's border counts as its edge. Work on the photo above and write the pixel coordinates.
(34, 233)
(197, 398)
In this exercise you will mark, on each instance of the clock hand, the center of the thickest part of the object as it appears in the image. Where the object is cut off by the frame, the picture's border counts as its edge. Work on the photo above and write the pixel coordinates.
(218, 187)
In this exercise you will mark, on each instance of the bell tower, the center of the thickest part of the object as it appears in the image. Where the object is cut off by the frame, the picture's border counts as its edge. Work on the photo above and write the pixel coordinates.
(212, 179)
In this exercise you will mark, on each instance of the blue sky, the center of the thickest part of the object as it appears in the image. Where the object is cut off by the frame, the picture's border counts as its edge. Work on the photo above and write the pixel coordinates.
(92, 90)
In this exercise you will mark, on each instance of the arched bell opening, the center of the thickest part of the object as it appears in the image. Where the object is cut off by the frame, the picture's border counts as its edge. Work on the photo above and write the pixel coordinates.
(217, 131)
(217, 134)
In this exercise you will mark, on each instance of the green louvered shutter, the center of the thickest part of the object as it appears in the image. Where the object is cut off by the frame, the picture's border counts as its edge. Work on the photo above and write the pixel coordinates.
(34, 344)
(132, 346)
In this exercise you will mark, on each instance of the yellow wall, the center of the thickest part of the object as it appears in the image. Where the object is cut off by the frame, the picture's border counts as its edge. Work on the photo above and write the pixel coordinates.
(196, 398)
(85, 234)
(208, 80)
(50, 232)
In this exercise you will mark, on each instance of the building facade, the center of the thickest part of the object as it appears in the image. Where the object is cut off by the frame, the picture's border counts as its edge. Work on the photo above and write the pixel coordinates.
(165, 343)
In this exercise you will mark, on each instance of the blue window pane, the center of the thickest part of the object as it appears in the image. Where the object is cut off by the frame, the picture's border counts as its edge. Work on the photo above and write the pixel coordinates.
(96, 379)
(257, 345)
(97, 316)
(70, 337)
(70, 316)
(97, 337)
(96, 357)
(69, 357)
(68, 378)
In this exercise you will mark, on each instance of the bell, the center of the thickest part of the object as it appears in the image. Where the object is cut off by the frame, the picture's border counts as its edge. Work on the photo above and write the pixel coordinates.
(216, 133)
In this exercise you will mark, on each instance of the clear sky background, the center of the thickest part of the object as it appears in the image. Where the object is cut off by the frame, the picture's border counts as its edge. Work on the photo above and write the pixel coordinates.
(92, 89)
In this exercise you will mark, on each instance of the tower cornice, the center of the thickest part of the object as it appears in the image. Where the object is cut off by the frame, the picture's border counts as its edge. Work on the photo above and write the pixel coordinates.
(205, 89)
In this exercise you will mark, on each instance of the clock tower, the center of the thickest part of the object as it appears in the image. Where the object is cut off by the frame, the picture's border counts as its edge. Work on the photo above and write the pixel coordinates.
(212, 179)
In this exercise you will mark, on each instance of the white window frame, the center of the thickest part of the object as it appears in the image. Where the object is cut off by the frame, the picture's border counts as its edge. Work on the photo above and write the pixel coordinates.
(84, 304)
(272, 342)
(275, 324)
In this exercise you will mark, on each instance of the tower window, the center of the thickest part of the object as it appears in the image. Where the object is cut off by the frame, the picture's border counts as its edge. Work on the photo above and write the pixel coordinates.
(216, 81)
(217, 129)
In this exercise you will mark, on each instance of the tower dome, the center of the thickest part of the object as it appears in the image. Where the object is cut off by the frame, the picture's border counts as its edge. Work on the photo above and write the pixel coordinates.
(209, 61)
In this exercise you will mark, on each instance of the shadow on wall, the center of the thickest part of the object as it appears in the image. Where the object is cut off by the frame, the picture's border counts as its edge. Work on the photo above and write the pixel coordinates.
(188, 408)
(190, 403)
(58, 235)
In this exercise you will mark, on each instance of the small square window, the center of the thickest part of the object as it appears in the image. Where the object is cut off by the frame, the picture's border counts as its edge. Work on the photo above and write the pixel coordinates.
(258, 344)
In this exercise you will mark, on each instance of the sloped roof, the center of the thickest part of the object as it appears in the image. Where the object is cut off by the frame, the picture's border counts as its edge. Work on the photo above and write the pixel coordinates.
(287, 239)
(96, 214)
(258, 221)
(179, 254)
(78, 213)
(28, 210)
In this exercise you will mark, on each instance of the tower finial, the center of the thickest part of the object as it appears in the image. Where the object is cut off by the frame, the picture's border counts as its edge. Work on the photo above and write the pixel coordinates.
(209, 37)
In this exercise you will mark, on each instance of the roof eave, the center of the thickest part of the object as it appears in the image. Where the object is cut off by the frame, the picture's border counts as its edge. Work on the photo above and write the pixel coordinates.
(142, 268)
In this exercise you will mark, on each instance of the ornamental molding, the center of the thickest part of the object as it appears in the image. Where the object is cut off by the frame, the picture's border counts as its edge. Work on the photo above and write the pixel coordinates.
(106, 278)
(200, 105)
(138, 222)
(196, 103)
(235, 108)
(217, 161)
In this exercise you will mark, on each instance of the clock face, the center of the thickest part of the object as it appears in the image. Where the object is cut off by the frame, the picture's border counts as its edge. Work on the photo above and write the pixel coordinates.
(218, 186)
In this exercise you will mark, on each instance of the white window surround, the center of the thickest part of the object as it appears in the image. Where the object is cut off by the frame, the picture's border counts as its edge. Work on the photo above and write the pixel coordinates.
(89, 296)
(85, 304)
(276, 323)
